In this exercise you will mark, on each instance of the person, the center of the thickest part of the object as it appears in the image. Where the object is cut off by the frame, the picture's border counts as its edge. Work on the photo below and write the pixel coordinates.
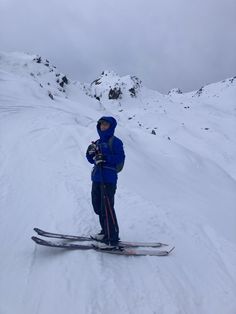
(107, 155)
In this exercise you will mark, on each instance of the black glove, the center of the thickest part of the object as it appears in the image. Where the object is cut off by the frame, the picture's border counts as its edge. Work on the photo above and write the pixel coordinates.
(92, 149)
(99, 159)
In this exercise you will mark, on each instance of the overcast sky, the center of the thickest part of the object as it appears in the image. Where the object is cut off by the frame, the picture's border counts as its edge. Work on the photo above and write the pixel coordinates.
(167, 44)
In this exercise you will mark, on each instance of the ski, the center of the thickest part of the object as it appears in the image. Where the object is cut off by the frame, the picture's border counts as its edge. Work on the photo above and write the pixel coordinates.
(117, 250)
(84, 238)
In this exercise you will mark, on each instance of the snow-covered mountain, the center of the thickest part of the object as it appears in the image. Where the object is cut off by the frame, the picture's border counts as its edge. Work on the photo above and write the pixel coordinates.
(112, 86)
(178, 186)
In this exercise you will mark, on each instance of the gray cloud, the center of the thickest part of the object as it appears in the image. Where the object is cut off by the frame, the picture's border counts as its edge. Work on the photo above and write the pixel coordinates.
(178, 43)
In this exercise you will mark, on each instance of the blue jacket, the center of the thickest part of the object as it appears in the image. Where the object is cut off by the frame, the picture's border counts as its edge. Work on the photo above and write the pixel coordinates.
(113, 157)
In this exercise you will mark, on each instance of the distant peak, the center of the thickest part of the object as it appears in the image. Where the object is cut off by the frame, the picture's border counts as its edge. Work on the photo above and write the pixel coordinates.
(110, 85)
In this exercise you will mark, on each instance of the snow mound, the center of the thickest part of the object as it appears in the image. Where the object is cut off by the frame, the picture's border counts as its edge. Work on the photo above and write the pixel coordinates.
(109, 85)
(215, 89)
(40, 70)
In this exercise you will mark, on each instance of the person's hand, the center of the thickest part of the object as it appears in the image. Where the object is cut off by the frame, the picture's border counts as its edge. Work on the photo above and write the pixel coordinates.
(99, 159)
(91, 149)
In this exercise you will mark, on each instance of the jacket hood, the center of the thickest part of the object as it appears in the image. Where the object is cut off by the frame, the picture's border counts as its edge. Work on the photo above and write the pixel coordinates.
(105, 135)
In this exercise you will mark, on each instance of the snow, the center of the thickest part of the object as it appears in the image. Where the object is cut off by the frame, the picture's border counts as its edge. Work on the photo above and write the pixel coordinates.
(178, 187)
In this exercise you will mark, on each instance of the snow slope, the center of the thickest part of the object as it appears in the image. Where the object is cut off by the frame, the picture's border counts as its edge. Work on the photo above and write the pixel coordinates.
(178, 186)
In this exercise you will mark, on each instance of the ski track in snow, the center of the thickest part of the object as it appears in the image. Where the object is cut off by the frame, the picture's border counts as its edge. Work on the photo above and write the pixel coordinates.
(45, 182)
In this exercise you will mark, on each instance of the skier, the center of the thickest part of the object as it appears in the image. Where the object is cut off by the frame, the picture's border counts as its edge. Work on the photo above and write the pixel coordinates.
(107, 155)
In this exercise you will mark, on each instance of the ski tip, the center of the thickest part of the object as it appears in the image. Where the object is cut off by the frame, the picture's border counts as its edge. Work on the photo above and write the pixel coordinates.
(34, 239)
(37, 230)
(37, 240)
(40, 231)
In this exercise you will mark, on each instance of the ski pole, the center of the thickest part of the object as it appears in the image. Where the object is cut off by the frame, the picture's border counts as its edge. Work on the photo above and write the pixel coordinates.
(111, 213)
